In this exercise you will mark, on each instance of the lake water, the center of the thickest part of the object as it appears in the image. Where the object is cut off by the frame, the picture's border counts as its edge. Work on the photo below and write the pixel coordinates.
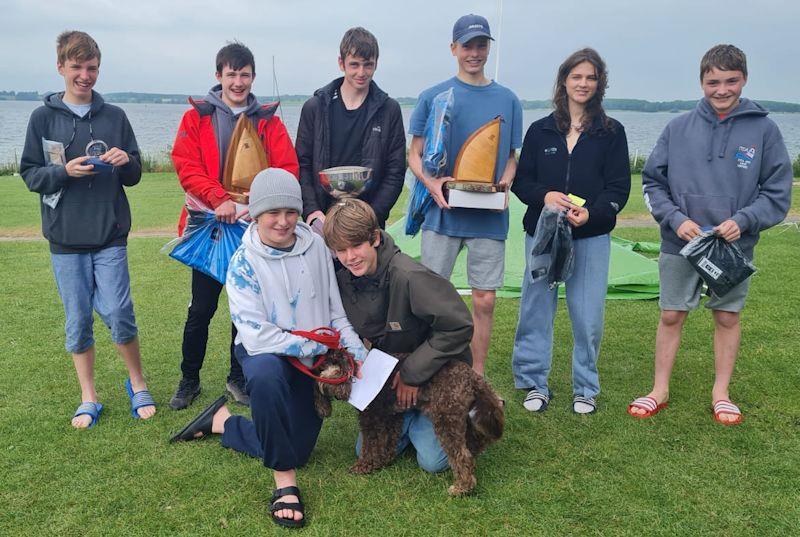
(155, 126)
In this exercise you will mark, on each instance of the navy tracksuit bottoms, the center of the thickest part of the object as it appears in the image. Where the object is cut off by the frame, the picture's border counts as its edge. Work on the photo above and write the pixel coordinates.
(285, 426)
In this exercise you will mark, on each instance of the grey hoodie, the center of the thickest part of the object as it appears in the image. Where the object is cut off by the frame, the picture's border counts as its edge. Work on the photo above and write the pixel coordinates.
(93, 213)
(709, 169)
(224, 120)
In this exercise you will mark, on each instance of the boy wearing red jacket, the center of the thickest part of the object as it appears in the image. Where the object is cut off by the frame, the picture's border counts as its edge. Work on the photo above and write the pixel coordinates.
(199, 157)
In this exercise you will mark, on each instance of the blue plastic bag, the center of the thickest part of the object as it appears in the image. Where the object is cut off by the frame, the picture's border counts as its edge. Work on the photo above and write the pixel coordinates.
(434, 158)
(207, 244)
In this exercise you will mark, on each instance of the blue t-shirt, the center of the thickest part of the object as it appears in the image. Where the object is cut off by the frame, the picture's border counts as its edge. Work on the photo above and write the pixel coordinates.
(473, 106)
(79, 110)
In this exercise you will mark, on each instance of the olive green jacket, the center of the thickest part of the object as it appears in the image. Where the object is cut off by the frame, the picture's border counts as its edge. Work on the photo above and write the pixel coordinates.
(405, 308)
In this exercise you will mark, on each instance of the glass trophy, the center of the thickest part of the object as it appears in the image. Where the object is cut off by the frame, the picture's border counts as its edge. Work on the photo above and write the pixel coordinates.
(94, 149)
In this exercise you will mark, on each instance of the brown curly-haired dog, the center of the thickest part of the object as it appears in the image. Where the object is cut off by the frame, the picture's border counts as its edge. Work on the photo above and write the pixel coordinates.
(465, 412)
(337, 363)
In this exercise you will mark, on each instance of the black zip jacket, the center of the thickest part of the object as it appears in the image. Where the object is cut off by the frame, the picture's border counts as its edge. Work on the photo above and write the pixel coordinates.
(598, 170)
(93, 212)
(383, 149)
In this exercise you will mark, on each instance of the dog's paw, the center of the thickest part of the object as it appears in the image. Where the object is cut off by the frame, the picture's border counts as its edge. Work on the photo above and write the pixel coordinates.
(362, 468)
(456, 491)
(462, 489)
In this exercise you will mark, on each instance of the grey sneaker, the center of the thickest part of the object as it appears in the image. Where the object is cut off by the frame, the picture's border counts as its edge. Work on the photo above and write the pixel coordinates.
(237, 391)
(187, 390)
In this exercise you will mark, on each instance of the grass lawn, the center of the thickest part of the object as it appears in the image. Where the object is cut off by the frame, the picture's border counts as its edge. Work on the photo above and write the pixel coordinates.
(156, 203)
(551, 474)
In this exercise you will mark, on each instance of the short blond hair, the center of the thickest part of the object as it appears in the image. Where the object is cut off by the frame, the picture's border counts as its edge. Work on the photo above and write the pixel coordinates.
(75, 45)
(350, 222)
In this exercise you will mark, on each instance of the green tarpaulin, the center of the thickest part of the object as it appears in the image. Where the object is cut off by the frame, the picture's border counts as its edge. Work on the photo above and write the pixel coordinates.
(631, 275)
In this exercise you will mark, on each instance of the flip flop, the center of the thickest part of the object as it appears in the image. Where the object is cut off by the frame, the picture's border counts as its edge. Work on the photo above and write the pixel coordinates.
(91, 409)
(275, 506)
(201, 424)
(590, 401)
(723, 406)
(650, 406)
(138, 399)
(535, 395)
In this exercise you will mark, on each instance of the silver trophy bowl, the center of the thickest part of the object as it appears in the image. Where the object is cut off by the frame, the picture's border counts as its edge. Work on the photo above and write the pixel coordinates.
(345, 181)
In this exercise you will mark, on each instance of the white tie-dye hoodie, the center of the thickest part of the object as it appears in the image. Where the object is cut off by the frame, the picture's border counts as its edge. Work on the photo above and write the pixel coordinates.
(271, 292)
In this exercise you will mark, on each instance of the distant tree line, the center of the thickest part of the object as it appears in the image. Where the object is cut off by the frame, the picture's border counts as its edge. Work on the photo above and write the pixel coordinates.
(634, 105)
(19, 96)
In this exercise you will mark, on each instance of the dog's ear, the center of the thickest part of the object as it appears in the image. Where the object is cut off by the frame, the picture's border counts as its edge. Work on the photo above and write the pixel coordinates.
(322, 404)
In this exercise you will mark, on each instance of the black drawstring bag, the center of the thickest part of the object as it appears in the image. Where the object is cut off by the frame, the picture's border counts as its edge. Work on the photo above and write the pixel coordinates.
(721, 264)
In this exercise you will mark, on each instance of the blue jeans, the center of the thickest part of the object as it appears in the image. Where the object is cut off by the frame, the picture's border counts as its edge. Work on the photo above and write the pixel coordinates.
(418, 432)
(98, 281)
(586, 293)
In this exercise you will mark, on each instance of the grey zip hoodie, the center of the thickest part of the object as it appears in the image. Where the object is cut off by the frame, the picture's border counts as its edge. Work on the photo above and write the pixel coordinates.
(93, 212)
(709, 169)
(224, 120)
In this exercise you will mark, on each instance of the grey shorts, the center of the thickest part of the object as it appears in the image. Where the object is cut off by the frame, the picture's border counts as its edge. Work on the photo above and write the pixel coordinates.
(681, 287)
(485, 258)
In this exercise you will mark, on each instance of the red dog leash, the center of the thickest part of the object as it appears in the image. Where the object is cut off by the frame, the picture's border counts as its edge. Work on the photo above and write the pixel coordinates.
(330, 338)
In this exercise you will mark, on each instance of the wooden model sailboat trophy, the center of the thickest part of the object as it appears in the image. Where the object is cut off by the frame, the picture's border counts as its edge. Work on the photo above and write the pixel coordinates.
(473, 185)
(245, 158)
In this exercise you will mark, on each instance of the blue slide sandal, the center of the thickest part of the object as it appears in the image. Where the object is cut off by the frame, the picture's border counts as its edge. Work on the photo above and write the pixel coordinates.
(91, 409)
(138, 399)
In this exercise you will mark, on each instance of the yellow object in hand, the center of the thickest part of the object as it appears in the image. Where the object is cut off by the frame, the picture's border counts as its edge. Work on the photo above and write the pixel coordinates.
(576, 200)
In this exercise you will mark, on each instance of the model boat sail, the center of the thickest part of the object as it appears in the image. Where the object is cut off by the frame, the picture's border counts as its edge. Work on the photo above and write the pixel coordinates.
(477, 159)
(245, 158)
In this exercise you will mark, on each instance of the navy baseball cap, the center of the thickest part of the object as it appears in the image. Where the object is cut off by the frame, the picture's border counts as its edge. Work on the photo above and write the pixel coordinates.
(469, 27)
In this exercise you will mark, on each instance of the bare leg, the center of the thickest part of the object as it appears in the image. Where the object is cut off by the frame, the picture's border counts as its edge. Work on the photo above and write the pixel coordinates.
(727, 334)
(668, 339)
(84, 367)
(217, 421)
(482, 319)
(133, 361)
(287, 478)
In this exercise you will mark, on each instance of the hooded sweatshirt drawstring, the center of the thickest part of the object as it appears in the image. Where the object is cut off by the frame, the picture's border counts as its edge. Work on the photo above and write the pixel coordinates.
(709, 154)
(307, 270)
(725, 137)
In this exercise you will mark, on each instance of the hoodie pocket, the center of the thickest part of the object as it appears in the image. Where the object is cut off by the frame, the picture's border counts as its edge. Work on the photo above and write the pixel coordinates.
(82, 226)
(707, 210)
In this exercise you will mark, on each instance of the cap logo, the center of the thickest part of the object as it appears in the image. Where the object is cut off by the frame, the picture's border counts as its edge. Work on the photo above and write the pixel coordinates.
(479, 26)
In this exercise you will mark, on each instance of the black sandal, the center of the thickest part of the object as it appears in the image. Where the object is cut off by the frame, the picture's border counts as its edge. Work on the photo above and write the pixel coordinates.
(201, 424)
(275, 506)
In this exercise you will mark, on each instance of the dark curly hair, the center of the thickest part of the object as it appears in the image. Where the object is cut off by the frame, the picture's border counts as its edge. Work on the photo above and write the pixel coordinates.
(594, 108)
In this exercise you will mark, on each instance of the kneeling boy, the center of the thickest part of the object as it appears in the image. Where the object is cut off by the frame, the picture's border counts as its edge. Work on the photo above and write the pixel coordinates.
(400, 307)
(280, 280)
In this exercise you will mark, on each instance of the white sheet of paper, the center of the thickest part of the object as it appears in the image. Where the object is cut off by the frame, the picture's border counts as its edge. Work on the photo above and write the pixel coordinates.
(374, 372)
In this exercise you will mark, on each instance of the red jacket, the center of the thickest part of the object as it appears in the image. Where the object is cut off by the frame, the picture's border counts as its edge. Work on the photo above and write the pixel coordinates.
(196, 156)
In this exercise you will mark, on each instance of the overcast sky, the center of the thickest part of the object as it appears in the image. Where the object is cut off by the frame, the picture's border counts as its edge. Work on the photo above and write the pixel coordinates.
(652, 48)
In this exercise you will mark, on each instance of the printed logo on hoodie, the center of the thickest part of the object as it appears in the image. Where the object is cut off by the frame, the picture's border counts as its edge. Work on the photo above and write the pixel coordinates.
(744, 156)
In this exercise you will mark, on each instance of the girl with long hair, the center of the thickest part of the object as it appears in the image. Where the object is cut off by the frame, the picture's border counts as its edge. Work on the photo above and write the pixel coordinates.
(576, 160)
